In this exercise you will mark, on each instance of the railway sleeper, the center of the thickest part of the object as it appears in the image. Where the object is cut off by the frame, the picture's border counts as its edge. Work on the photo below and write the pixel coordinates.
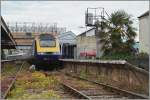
(108, 96)
(75, 92)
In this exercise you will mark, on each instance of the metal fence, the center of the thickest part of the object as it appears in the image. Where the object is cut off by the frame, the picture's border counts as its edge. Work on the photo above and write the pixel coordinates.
(35, 27)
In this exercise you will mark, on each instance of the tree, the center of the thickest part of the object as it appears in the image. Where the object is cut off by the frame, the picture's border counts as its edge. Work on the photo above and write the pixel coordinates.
(117, 34)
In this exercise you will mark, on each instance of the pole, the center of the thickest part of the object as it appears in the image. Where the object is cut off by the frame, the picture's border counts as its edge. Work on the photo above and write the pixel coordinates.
(97, 42)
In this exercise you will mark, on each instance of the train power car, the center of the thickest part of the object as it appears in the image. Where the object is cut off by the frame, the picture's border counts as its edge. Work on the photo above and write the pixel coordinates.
(45, 51)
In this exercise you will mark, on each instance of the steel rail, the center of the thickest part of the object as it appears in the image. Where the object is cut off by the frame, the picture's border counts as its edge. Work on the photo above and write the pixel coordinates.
(115, 89)
(12, 83)
(75, 92)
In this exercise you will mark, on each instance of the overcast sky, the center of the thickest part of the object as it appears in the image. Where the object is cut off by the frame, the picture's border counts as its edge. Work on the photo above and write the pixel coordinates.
(69, 14)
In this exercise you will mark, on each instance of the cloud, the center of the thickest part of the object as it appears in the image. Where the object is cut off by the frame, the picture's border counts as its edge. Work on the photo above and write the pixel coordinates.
(68, 14)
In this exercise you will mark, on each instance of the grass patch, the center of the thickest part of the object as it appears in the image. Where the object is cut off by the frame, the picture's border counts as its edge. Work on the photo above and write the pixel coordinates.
(34, 86)
(9, 69)
(83, 74)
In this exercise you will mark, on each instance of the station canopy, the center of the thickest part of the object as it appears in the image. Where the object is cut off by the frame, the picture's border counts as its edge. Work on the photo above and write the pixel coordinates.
(7, 41)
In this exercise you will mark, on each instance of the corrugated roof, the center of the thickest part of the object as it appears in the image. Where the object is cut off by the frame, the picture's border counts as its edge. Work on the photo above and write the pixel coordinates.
(145, 14)
(67, 37)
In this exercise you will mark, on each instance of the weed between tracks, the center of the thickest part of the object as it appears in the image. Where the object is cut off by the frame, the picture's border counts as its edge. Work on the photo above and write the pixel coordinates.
(79, 83)
(34, 86)
(8, 72)
(9, 69)
(83, 74)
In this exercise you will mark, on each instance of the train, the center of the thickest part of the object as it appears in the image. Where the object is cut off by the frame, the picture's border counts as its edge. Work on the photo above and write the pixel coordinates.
(45, 52)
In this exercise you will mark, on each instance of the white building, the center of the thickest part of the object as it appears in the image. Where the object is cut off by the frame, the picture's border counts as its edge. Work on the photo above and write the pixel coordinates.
(87, 46)
(144, 32)
(68, 44)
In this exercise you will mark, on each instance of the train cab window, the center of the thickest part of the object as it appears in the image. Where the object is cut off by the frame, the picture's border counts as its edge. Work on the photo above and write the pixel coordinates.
(47, 40)
(47, 43)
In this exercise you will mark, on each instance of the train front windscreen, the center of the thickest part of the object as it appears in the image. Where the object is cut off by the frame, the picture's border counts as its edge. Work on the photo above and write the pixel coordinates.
(47, 40)
(47, 43)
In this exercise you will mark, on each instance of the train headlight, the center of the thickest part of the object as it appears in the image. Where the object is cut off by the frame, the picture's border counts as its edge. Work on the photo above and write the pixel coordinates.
(41, 53)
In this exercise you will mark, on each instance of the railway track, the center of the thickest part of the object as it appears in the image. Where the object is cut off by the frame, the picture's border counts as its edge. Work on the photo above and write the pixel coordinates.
(74, 92)
(96, 90)
(73, 87)
(67, 92)
(8, 83)
(61, 90)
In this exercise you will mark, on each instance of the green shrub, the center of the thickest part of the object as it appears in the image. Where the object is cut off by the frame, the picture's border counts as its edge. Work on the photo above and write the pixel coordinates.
(142, 55)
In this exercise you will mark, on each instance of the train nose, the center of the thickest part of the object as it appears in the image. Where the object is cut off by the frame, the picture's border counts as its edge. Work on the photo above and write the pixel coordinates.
(48, 57)
(45, 59)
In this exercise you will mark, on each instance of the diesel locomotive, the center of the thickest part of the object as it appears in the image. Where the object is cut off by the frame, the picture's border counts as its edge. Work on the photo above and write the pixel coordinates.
(45, 51)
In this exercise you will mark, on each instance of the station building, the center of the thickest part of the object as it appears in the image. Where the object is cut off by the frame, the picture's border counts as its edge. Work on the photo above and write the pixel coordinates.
(68, 44)
(86, 45)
